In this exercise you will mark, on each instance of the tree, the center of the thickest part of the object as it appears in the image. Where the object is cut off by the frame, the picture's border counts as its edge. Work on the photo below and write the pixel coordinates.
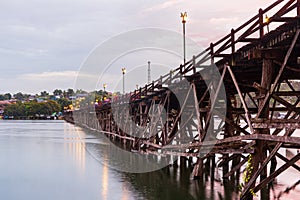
(80, 91)
(70, 92)
(17, 110)
(19, 96)
(32, 108)
(7, 96)
(57, 92)
(44, 94)
(63, 102)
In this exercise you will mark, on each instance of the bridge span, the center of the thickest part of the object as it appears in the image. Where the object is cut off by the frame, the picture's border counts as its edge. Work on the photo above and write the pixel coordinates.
(238, 99)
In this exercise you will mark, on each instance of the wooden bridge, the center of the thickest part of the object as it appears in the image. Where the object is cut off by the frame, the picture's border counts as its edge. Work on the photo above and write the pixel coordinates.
(258, 71)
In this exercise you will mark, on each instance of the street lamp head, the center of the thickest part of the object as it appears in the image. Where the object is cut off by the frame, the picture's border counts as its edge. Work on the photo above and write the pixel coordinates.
(267, 19)
(183, 17)
(124, 70)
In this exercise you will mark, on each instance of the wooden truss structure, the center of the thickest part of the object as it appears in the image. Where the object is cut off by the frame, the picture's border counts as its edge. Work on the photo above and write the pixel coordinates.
(258, 115)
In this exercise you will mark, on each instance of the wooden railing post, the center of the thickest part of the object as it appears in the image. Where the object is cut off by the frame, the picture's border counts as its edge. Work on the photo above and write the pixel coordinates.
(232, 41)
(181, 72)
(298, 8)
(194, 64)
(261, 23)
(152, 86)
(212, 53)
(170, 77)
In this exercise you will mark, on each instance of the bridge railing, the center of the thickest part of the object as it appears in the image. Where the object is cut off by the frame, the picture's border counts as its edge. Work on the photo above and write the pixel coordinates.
(226, 46)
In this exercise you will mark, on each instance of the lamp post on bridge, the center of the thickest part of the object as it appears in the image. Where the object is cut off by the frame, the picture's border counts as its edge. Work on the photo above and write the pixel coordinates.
(183, 20)
(149, 72)
(104, 86)
(123, 72)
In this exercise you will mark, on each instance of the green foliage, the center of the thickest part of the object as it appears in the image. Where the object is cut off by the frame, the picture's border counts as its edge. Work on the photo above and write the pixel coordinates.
(19, 96)
(247, 175)
(63, 102)
(6, 96)
(44, 94)
(57, 92)
(29, 109)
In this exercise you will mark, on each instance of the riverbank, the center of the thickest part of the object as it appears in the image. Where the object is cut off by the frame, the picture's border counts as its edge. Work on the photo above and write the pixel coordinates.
(32, 118)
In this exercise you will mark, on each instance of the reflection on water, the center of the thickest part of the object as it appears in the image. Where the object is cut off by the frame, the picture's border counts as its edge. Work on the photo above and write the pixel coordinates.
(48, 160)
(55, 160)
(74, 147)
(104, 181)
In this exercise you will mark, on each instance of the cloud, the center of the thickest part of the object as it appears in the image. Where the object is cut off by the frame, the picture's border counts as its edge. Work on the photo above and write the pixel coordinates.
(36, 82)
(164, 5)
(46, 76)
(41, 36)
(223, 20)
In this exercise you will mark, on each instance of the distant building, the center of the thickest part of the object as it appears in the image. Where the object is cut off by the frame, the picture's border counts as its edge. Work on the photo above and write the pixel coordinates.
(39, 99)
(31, 98)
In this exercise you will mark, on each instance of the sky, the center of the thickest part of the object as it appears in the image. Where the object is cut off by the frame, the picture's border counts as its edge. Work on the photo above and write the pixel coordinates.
(45, 44)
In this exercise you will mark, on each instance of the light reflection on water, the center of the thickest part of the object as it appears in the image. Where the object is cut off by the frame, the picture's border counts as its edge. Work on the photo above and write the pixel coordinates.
(56, 160)
(48, 160)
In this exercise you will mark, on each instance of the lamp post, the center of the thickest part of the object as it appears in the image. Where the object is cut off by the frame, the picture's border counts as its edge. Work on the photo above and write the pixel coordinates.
(267, 20)
(123, 72)
(104, 86)
(183, 20)
(149, 72)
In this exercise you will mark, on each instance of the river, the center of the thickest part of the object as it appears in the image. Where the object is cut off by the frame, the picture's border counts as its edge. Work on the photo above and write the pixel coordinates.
(55, 160)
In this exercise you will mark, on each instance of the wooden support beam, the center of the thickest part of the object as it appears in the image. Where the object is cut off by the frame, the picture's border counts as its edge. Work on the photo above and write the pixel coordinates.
(284, 19)
(235, 168)
(249, 40)
(199, 124)
(284, 102)
(277, 123)
(264, 137)
(257, 172)
(266, 99)
(287, 93)
(287, 160)
(298, 8)
(247, 114)
(212, 108)
(276, 173)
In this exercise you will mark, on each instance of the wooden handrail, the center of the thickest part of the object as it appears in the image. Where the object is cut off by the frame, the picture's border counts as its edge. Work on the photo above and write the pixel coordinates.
(228, 41)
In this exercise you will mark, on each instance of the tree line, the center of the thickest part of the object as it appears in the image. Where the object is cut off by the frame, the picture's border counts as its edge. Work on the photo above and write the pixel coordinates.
(28, 106)
(44, 94)
(32, 109)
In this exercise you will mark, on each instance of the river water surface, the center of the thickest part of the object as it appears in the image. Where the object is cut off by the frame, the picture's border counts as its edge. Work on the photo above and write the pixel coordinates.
(54, 160)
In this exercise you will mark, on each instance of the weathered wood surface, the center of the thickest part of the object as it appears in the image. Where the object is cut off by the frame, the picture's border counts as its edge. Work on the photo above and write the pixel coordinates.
(258, 80)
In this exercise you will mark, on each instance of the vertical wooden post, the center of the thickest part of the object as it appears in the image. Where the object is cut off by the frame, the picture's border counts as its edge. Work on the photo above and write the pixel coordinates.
(229, 131)
(181, 72)
(232, 41)
(212, 60)
(194, 64)
(261, 23)
(298, 7)
(260, 153)
(170, 77)
(198, 169)
(232, 47)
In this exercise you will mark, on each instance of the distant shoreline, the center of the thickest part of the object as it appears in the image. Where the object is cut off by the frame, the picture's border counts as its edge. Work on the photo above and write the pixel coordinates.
(31, 118)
